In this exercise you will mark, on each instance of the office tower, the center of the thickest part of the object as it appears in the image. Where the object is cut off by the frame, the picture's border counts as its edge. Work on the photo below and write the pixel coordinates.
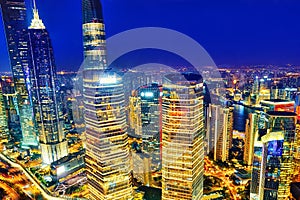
(14, 18)
(107, 150)
(182, 137)
(151, 101)
(214, 127)
(273, 157)
(250, 137)
(135, 120)
(224, 141)
(44, 93)
(219, 131)
(3, 113)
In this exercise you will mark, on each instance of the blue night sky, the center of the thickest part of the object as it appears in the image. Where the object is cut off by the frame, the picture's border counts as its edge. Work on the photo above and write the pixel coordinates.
(233, 32)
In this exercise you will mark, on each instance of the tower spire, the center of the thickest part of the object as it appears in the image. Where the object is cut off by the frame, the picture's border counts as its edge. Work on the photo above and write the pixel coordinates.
(34, 5)
(36, 22)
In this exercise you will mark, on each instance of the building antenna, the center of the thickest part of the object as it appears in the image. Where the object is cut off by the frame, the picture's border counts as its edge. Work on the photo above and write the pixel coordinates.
(34, 5)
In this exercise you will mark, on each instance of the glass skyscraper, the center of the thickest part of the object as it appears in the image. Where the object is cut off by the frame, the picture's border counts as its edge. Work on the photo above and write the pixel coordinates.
(273, 157)
(15, 25)
(107, 150)
(182, 137)
(45, 93)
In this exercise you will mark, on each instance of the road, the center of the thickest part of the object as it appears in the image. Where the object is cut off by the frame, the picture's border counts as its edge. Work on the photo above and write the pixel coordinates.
(30, 177)
(216, 171)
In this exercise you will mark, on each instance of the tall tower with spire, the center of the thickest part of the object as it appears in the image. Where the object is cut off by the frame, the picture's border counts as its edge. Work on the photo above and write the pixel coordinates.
(107, 150)
(15, 25)
(44, 92)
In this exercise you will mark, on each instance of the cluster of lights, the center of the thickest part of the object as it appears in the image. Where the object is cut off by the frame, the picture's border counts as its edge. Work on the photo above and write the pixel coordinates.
(108, 80)
(147, 94)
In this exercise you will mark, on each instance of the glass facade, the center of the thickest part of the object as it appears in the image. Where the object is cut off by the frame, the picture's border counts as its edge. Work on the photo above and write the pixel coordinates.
(15, 25)
(107, 150)
(273, 157)
(182, 137)
(44, 92)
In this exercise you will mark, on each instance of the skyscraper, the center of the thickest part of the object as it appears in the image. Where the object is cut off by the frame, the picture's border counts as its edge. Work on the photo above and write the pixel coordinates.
(219, 131)
(107, 150)
(183, 134)
(273, 160)
(250, 137)
(44, 93)
(15, 25)
(224, 139)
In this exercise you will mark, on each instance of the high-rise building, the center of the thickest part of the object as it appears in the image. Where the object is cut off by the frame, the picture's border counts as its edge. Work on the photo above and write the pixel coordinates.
(273, 157)
(107, 150)
(150, 97)
(219, 131)
(182, 137)
(250, 137)
(224, 141)
(44, 92)
(15, 25)
(135, 120)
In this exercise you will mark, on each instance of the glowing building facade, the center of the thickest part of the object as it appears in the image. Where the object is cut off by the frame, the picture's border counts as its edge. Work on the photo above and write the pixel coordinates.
(44, 93)
(219, 131)
(182, 137)
(250, 137)
(15, 25)
(224, 139)
(107, 150)
(273, 158)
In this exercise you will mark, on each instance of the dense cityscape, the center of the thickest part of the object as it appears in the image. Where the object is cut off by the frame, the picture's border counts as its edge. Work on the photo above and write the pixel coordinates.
(107, 132)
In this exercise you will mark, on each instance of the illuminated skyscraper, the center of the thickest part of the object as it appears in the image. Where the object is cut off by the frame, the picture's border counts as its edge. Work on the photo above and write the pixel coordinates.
(183, 135)
(15, 24)
(273, 160)
(224, 139)
(107, 150)
(151, 102)
(219, 131)
(213, 129)
(44, 93)
(250, 137)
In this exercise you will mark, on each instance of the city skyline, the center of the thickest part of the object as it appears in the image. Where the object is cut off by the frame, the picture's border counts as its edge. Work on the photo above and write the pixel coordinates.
(235, 33)
(174, 127)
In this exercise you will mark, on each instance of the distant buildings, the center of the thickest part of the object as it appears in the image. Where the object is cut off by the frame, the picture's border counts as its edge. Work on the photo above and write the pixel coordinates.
(183, 137)
(44, 93)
